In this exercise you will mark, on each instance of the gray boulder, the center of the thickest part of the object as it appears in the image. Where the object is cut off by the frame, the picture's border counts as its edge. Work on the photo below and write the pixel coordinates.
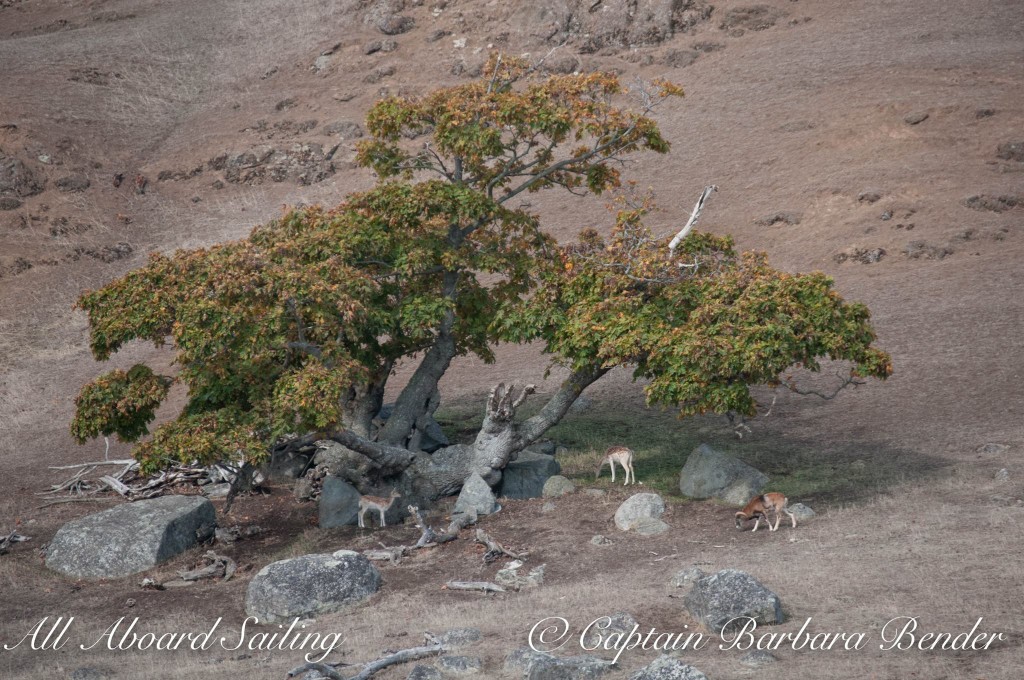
(525, 476)
(667, 668)
(310, 585)
(687, 577)
(422, 672)
(711, 474)
(801, 511)
(543, 666)
(476, 497)
(130, 538)
(636, 510)
(339, 503)
(606, 626)
(727, 598)
(460, 665)
(556, 486)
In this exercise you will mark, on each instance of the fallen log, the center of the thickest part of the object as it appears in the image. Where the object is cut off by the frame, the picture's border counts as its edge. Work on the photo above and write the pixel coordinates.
(484, 586)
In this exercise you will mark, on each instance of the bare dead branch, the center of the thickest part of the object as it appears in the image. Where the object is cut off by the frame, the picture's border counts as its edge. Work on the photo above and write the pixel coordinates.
(484, 586)
(697, 209)
(496, 549)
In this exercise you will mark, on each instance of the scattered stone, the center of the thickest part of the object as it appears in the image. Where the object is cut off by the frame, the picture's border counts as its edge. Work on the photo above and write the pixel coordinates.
(666, 667)
(321, 63)
(915, 118)
(916, 250)
(379, 74)
(231, 534)
(543, 666)
(984, 113)
(993, 448)
(460, 665)
(460, 637)
(73, 183)
(784, 217)
(638, 507)
(725, 599)
(131, 537)
(1011, 151)
(706, 46)
(375, 46)
(680, 58)
(302, 163)
(346, 129)
(862, 255)
(601, 540)
(751, 18)
(869, 196)
(687, 577)
(422, 672)
(801, 511)
(396, 24)
(1002, 475)
(556, 486)
(476, 497)
(310, 585)
(886, 216)
(562, 62)
(758, 657)
(437, 34)
(9, 203)
(509, 576)
(711, 474)
(993, 203)
(596, 493)
(620, 622)
(526, 476)
(339, 504)
(118, 251)
(286, 104)
(548, 507)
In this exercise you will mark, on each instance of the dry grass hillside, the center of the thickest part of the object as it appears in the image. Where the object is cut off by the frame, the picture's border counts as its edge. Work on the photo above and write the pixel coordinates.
(877, 141)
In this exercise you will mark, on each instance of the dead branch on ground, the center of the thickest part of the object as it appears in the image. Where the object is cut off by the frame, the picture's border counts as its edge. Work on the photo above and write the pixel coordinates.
(484, 586)
(9, 539)
(496, 549)
(372, 667)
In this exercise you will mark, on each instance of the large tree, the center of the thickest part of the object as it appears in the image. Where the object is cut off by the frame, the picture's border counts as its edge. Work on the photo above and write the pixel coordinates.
(290, 335)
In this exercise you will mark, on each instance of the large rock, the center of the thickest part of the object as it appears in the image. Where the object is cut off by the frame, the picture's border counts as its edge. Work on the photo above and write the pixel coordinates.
(638, 509)
(310, 585)
(339, 504)
(16, 179)
(525, 476)
(556, 486)
(130, 538)
(711, 474)
(542, 666)
(667, 668)
(476, 496)
(727, 598)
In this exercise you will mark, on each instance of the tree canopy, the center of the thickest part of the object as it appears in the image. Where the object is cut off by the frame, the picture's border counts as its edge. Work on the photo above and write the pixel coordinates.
(293, 332)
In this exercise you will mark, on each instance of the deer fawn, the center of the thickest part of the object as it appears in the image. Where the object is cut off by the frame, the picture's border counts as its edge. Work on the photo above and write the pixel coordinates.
(621, 455)
(381, 505)
(758, 507)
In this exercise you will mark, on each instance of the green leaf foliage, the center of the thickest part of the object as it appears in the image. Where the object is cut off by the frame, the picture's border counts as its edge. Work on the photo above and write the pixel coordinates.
(272, 331)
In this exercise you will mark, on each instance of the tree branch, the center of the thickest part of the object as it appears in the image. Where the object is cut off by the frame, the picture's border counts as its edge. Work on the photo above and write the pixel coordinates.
(693, 218)
(559, 403)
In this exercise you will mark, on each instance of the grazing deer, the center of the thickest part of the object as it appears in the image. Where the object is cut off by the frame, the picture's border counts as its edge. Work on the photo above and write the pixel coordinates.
(381, 505)
(758, 507)
(621, 455)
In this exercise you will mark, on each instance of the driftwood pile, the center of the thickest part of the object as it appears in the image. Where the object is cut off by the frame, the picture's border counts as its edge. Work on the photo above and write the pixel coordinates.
(128, 482)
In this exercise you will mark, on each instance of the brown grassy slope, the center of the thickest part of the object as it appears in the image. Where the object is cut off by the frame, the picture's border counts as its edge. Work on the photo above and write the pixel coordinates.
(799, 118)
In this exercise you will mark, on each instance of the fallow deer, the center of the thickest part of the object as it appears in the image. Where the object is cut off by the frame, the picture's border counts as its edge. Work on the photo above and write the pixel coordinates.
(621, 455)
(381, 505)
(758, 507)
